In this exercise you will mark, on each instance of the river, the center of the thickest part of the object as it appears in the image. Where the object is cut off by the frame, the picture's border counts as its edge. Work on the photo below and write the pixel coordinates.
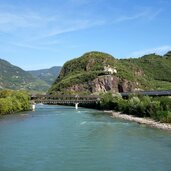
(60, 138)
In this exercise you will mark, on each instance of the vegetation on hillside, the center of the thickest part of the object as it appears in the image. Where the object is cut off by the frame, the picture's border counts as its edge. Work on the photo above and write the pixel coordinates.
(13, 101)
(150, 72)
(93, 61)
(86, 68)
(47, 75)
(155, 66)
(142, 106)
(13, 77)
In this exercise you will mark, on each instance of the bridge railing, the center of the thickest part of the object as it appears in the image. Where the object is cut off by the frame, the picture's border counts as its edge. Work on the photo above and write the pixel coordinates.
(49, 99)
(34, 97)
(148, 93)
(95, 98)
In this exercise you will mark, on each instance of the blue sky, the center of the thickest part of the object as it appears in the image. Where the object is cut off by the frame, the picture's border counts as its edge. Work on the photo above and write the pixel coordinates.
(38, 34)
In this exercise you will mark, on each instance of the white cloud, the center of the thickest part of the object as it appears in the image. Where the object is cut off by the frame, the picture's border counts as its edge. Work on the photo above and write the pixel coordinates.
(11, 21)
(146, 13)
(35, 46)
(39, 29)
(29, 26)
(73, 25)
(158, 50)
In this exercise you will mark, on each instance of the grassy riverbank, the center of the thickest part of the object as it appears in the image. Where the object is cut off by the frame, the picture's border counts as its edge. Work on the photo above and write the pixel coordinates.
(158, 109)
(13, 101)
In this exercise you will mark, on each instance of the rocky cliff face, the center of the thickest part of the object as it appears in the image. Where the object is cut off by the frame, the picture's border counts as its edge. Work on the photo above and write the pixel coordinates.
(97, 72)
(103, 84)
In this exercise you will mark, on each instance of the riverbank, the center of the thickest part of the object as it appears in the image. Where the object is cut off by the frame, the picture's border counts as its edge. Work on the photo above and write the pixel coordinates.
(146, 121)
(12, 101)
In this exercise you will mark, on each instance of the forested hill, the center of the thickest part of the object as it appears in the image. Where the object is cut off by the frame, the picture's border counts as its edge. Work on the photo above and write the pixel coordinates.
(13, 77)
(156, 68)
(97, 72)
(47, 75)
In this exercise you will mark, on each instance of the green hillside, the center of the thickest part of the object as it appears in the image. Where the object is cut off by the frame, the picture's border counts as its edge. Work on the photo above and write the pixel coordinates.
(146, 73)
(13, 77)
(47, 75)
(157, 69)
(89, 62)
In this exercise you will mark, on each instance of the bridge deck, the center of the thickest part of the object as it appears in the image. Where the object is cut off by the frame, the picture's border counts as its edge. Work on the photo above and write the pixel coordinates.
(149, 93)
(65, 101)
(50, 99)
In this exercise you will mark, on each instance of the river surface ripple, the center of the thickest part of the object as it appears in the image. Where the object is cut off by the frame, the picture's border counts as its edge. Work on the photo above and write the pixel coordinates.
(59, 138)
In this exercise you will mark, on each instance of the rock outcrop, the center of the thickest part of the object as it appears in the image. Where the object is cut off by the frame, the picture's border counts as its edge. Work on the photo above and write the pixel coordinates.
(93, 73)
(103, 84)
(97, 72)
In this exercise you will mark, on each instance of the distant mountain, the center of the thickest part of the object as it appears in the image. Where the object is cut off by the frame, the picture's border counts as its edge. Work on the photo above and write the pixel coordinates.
(13, 77)
(97, 72)
(47, 75)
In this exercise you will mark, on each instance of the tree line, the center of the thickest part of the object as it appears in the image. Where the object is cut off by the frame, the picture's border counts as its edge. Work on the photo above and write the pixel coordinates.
(157, 108)
(13, 101)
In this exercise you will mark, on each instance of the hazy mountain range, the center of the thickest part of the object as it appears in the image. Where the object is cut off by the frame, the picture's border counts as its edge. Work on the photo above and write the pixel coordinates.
(13, 77)
(47, 75)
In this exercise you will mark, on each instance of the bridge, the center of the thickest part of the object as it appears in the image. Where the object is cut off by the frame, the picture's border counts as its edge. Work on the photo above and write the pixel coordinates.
(63, 100)
(153, 93)
(75, 100)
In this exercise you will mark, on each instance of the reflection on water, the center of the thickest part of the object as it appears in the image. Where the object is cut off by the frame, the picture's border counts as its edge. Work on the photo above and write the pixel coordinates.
(61, 138)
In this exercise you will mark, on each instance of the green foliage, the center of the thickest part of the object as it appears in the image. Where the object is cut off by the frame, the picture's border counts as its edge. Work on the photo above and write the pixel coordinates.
(150, 72)
(155, 66)
(13, 101)
(155, 71)
(165, 103)
(13, 77)
(4, 107)
(168, 55)
(142, 106)
(46, 75)
(87, 68)
(107, 101)
(76, 79)
(92, 61)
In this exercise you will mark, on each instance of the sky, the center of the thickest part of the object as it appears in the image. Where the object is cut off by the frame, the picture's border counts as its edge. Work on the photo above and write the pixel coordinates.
(36, 34)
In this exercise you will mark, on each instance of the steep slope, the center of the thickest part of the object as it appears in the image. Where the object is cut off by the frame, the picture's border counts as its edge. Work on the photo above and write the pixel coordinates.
(93, 73)
(47, 75)
(97, 72)
(157, 69)
(155, 66)
(13, 77)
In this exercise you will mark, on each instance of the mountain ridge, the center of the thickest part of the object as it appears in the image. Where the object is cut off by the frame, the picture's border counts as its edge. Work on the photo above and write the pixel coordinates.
(48, 75)
(15, 78)
(98, 72)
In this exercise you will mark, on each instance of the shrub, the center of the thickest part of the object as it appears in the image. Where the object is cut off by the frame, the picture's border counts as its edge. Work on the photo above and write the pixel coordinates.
(141, 106)
(13, 101)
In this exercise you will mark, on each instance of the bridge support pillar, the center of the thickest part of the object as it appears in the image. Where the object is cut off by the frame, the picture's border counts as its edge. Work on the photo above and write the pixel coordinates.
(76, 105)
(33, 107)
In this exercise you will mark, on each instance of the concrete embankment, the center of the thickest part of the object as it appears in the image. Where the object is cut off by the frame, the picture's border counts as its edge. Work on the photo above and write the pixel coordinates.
(146, 121)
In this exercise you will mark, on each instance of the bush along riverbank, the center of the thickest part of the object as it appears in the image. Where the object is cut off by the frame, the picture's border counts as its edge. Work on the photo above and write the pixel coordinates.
(156, 108)
(13, 101)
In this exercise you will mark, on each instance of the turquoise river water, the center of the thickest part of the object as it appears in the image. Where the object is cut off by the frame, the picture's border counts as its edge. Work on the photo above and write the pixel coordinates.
(59, 138)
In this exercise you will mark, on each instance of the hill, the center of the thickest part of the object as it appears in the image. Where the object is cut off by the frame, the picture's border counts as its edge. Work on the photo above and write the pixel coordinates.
(47, 75)
(156, 68)
(97, 72)
(13, 77)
